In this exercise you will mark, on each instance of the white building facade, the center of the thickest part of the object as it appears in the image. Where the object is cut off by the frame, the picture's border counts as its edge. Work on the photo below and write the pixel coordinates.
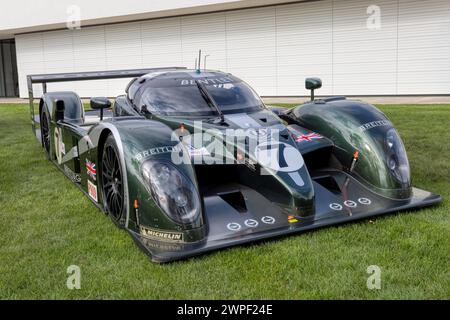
(357, 47)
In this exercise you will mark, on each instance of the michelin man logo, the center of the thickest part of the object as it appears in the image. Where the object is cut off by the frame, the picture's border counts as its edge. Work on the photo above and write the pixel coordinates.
(281, 157)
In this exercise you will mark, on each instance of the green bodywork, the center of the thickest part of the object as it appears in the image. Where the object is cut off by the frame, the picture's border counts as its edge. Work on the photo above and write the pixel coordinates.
(342, 121)
(351, 155)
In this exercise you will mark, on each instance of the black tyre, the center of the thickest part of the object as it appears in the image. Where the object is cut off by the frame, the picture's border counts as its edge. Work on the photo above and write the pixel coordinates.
(45, 131)
(112, 182)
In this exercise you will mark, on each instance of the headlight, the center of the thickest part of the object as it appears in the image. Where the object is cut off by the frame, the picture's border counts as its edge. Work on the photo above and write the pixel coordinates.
(172, 191)
(396, 160)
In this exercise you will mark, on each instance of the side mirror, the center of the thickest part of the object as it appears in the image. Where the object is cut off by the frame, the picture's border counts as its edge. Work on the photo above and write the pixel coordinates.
(312, 84)
(100, 103)
(59, 111)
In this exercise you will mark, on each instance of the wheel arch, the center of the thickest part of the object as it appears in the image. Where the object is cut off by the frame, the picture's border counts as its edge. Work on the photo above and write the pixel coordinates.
(358, 126)
(101, 143)
(106, 129)
(100, 147)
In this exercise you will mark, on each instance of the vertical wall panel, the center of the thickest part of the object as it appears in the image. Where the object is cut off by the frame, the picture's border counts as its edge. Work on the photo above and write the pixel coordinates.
(205, 32)
(161, 43)
(123, 44)
(424, 47)
(58, 56)
(30, 60)
(89, 54)
(251, 53)
(272, 48)
(304, 46)
(364, 58)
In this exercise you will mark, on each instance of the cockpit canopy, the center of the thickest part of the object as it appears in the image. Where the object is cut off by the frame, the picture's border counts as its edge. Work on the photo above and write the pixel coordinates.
(177, 93)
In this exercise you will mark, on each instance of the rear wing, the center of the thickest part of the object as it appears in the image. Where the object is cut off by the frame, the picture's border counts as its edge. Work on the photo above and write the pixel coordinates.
(81, 76)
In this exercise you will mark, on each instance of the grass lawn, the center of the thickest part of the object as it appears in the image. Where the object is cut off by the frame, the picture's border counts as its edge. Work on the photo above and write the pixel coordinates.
(47, 224)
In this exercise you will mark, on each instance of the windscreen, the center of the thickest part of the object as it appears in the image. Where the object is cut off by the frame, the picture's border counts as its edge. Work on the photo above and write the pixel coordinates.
(187, 99)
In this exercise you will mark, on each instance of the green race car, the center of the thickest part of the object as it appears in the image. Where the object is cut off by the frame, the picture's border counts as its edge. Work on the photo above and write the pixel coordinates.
(189, 161)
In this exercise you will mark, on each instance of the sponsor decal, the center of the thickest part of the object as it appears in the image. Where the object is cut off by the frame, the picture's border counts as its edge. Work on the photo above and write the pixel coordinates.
(92, 191)
(374, 124)
(234, 226)
(161, 235)
(364, 201)
(167, 246)
(154, 151)
(335, 206)
(268, 220)
(308, 137)
(349, 204)
(91, 170)
(75, 177)
(251, 223)
(197, 151)
(206, 81)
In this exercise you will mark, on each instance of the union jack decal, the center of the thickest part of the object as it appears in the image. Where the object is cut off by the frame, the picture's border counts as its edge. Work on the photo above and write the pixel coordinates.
(308, 137)
(91, 169)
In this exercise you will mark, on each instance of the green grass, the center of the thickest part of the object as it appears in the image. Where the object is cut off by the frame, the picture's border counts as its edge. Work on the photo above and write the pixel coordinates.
(47, 224)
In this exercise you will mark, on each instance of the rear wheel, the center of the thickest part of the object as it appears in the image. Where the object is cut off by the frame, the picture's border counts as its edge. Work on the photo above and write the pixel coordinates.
(45, 131)
(112, 182)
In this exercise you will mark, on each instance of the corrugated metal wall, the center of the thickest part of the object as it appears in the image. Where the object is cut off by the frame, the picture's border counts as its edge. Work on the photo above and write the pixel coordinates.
(8, 69)
(272, 48)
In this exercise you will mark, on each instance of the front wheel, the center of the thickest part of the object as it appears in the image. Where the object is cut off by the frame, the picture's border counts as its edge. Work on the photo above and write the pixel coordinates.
(112, 182)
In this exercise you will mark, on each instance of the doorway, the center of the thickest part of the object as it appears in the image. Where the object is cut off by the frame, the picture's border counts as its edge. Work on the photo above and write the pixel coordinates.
(9, 84)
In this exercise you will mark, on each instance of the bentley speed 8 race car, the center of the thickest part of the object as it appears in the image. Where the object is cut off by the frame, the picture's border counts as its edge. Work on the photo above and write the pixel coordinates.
(189, 161)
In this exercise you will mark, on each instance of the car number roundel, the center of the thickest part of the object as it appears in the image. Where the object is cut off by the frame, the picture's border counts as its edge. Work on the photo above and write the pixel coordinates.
(279, 156)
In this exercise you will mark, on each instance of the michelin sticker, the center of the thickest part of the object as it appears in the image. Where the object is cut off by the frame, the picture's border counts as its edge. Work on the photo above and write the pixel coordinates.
(161, 235)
